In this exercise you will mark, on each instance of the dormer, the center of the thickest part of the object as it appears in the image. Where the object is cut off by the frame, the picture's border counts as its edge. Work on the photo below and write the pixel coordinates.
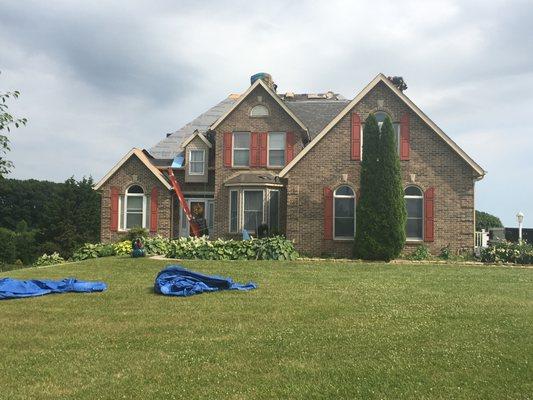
(196, 149)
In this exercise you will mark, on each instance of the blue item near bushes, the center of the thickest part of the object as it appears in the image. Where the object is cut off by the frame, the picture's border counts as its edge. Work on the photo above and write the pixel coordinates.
(16, 288)
(175, 280)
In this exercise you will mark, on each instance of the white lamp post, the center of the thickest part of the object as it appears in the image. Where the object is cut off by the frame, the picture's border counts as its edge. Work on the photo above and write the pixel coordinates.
(520, 219)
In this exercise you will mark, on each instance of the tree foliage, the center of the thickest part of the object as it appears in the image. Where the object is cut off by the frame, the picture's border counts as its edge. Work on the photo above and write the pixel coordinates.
(7, 121)
(49, 217)
(381, 213)
(485, 221)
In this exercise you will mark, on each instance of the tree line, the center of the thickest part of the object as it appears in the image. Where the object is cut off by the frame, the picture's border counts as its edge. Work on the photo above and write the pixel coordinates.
(39, 217)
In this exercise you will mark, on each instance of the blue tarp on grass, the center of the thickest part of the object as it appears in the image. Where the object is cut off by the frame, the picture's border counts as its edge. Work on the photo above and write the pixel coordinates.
(15, 288)
(175, 280)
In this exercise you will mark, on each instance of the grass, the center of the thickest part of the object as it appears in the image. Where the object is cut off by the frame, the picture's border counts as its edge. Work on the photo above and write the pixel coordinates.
(312, 330)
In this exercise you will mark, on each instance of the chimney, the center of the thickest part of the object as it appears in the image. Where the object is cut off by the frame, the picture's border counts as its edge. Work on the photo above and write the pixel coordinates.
(265, 77)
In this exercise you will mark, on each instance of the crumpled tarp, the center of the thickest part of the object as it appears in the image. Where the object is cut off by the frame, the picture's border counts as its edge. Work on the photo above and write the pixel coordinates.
(175, 280)
(15, 288)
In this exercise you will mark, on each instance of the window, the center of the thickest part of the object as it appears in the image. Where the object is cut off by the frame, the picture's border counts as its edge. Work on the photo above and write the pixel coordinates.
(259, 111)
(253, 209)
(276, 149)
(273, 211)
(196, 162)
(344, 213)
(241, 149)
(133, 209)
(233, 211)
(414, 203)
(380, 117)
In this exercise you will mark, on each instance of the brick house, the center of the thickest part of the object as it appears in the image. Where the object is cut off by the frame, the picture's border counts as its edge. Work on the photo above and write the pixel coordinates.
(292, 161)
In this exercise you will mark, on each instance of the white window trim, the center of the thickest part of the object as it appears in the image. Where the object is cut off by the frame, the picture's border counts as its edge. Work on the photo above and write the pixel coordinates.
(208, 203)
(265, 211)
(197, 162)
(415, 239)
(335, 196)
(233, 148)
(284, 150)
(125, 209)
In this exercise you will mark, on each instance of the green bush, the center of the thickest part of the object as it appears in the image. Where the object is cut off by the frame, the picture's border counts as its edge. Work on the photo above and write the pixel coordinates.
(49, 259)
(123, 248)
(156, 245)
(271, 248)
(420, 253)
(507, 252)
(445, 253)
(8, 248)
(135, 233)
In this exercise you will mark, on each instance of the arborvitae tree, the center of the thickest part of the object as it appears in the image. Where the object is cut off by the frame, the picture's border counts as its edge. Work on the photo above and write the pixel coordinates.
(381, 214)
(367, 214)
(392, 203)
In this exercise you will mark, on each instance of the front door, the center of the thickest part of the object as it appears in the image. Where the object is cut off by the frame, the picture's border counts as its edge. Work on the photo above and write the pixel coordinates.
(200, 209)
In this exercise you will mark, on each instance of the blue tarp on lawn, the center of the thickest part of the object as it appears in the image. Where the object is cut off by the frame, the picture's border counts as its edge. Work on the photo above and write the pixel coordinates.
(175, 280)
(15, 288)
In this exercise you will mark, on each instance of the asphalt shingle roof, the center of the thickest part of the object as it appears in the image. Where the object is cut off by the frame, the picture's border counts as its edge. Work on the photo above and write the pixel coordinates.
(316, 114)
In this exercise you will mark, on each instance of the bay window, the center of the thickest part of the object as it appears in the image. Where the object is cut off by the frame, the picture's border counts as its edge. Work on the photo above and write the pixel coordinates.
(253, 209)
(249, 208)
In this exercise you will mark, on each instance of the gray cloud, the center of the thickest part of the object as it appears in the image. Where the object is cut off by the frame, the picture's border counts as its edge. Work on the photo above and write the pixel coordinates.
(98, 78)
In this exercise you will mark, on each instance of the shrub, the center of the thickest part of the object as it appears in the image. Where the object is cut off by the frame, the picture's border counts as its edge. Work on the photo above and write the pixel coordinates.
(507, 252)
(49, 259)
(421, 253)
(135, 233)
(89, 250)
(271, 248)
(123, 248)
(445, 252)
(157, 245)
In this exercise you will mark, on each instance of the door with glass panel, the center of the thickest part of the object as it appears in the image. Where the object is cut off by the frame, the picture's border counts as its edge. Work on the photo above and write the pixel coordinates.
(200, 209)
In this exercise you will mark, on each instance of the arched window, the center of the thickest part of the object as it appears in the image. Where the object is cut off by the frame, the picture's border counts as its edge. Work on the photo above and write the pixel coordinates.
(344, 213)
(259, 111)
(380, 117)
(414, 203)
(135, 208)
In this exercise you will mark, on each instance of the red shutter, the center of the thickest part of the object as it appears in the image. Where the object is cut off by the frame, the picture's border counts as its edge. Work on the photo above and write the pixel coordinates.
(153, 210)
(429, 215)
(289, 147)
(263, 151)
(254, 150)
(114, 209)
(227, 148)
(404, 137)
(356, 137)
(328, 213)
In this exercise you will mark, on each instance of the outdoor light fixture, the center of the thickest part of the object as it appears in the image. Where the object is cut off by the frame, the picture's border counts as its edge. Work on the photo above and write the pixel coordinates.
(520, 219)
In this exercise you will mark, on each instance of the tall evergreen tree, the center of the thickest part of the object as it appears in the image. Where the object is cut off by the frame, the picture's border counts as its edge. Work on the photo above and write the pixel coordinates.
(381, 214)
(366, 229)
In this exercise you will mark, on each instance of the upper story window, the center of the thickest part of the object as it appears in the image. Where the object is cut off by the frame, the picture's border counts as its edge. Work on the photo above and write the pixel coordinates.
(259, 111)
(276, 149)
(380, 117)
(196, 162)
(414, 203)
(344, 213)
(241, 149)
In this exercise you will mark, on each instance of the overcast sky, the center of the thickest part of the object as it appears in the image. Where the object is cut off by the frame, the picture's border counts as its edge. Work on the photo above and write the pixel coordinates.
(98, 78)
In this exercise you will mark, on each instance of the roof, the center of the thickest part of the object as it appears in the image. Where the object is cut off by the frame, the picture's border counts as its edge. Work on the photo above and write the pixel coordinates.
(196, 133)
(144, 159)
(316, 114)
(257, 83)
(253, 179)
(170, 147)
(382, 78)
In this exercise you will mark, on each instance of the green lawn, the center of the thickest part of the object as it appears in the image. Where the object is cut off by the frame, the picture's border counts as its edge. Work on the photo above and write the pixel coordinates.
(312, 330)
